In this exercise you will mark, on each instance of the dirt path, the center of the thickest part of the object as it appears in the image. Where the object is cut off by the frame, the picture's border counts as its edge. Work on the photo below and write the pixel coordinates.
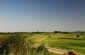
(59, 51)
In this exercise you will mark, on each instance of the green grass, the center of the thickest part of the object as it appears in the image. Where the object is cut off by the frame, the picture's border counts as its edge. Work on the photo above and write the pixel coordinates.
(62, 41)
(22, 44)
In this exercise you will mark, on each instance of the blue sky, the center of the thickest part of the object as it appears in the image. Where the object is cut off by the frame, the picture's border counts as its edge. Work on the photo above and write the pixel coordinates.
(42, 15)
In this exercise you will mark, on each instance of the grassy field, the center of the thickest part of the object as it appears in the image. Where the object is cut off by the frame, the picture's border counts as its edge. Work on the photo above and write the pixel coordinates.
(21, 44)
(62, 41)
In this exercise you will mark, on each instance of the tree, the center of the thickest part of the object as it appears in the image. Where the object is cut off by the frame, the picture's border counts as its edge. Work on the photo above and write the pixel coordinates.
(78, 36)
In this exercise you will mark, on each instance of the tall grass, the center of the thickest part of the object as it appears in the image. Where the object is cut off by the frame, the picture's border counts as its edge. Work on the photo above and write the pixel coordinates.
(22, 44)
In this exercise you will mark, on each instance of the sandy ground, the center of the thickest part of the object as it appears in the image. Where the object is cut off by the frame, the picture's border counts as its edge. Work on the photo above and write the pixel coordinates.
(59, 51)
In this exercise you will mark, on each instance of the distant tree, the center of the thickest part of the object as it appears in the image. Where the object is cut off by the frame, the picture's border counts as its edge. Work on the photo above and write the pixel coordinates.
(78, 36)
(56, 32)
(49, 36)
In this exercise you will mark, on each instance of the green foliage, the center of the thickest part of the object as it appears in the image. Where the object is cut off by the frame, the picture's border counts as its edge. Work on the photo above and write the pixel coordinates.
(42, 48)
(67, 42)
(22, 44)
(63, 41)
(4, 53)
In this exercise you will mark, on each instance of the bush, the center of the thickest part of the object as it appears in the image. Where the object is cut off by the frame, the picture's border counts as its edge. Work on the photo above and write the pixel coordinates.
(42, 48)
(20, 44)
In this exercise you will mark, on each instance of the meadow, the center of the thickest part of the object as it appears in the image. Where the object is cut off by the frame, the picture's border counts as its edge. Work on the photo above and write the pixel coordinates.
(34, 43)
(62, 41)
(21, 44)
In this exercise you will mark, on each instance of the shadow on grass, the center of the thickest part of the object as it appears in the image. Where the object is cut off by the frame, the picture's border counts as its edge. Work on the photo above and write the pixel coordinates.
(72, 38)
(78, 44)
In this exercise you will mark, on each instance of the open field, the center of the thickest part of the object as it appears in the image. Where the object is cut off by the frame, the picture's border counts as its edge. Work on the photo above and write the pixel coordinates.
(58, 41)
(21, 44)
(62, 41)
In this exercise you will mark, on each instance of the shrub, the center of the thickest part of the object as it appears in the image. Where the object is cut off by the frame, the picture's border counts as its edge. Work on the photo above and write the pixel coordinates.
(42, 48)
(20, 44)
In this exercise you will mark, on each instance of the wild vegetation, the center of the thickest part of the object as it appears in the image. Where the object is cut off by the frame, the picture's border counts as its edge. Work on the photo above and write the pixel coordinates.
(63, 41)
(20, 44)
(36, 43)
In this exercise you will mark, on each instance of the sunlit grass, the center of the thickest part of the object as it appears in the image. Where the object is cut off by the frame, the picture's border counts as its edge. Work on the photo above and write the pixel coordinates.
(63, 41)
(21, 44)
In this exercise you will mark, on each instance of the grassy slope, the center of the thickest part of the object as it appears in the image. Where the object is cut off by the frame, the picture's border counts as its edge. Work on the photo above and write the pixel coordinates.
(39, 39)
(62, 41)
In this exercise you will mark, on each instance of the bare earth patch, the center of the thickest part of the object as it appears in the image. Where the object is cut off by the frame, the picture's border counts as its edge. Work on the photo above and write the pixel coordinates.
(59, 51)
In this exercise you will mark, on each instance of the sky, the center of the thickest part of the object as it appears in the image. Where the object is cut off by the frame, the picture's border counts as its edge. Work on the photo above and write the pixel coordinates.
(42, 15)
